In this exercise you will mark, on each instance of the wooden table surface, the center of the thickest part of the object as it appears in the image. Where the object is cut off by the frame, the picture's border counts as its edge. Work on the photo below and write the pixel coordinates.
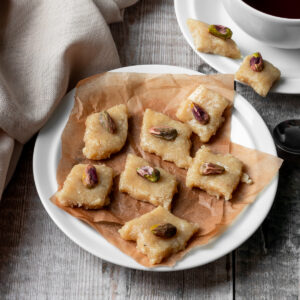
(37, 261)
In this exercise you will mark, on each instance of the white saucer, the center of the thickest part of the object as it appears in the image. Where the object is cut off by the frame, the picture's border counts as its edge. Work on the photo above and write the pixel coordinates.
(213, 12)
(248, 129)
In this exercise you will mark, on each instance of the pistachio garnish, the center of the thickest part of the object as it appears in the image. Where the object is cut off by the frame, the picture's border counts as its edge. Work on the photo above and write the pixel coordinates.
(209, 168)
(149, 173)
(107, 122)
(200, 114)
(166, 133)
(165, 231)
(220, 31)
(90, 177)
(256, 62)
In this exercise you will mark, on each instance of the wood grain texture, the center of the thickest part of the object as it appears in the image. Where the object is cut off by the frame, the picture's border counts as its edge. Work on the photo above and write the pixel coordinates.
(267, 265)
(37, 261)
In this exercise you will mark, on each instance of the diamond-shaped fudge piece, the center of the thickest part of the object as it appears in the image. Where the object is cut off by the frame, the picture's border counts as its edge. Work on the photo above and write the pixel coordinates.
(262, 81)
(158, 193)
(208, 43)
(218, 185)
(99, 142)
(212, 103)
(157, 247)
(76, 194)
(176, 150)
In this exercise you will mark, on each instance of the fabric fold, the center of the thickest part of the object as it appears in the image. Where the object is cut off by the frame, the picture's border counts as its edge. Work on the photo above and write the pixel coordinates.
(52, 46)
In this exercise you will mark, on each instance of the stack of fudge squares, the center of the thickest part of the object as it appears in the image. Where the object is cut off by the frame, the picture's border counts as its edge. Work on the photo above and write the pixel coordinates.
(159, 233)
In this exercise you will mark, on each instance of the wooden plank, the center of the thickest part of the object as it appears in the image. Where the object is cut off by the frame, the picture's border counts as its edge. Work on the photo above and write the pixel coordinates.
(150, 35)
(212, 281)
(267, 265)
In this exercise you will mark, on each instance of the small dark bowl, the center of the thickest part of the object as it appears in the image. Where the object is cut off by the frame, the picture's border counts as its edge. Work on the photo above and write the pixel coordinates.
(287, 139)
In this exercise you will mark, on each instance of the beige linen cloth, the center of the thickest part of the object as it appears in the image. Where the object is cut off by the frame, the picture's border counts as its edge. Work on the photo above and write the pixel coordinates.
(45, 48)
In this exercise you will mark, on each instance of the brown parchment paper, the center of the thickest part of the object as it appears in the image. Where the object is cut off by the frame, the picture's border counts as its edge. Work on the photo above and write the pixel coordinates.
(261, 167)
(161, 93)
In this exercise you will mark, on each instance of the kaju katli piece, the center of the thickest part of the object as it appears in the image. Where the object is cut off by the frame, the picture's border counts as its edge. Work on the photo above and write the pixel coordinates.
(86, 186)
(147, 183)
(215, 39)
(203, 112)
(158, 234)
(217, 174)
(105, 132)
(258, 73)
(167, 138)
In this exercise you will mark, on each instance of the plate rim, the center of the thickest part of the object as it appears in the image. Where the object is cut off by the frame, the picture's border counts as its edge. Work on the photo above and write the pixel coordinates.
(283, 88)
(46, 203)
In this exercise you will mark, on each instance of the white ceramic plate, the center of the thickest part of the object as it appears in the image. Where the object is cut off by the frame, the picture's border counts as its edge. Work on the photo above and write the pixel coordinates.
(248, 129)
(213, 12)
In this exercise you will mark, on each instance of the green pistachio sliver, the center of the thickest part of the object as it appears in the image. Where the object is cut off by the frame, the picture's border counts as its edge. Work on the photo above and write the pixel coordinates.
(149, 173)
(166, 133)
(256, 62)
(220, 31)
(90, 177)
(200, 114)
(166, 230)
(107, 122)
(208, 168)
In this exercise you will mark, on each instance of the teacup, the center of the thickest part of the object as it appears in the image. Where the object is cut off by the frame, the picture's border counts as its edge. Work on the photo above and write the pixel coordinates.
(274, 31)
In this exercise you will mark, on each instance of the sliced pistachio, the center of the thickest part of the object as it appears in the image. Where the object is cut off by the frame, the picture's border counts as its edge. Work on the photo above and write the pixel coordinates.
(256, 62)
(149, 173)
(220, 31)
(200, 114)
(90, 177)
(209, 168)
(166, 133)
(107, 122)
(165, 231)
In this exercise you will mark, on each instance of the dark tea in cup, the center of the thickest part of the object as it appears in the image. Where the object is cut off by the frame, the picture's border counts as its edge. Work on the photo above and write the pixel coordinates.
(285, 9)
